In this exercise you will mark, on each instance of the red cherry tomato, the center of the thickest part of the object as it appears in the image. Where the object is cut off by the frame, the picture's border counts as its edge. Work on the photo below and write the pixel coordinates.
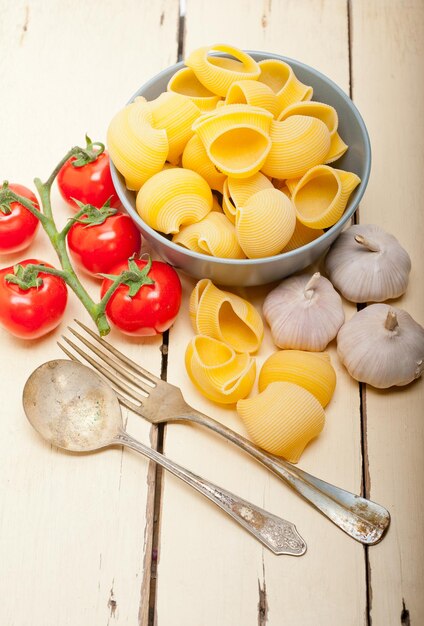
(34, 312)
(97, 248)
(154, 307)
(90, 183)
(18, 228)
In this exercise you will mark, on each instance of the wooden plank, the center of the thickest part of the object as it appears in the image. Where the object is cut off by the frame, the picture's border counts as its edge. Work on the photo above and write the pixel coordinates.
(73, 533)
(388, 40)
(210, 572)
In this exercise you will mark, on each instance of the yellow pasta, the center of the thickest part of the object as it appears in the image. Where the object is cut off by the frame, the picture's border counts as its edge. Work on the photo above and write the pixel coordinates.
(321, 195)
(281, 186)
(255, 93)
(311, 370)
(136, 148)
(237, 191)
(195, 158)
(279, 76)
(214, 235)
(265, 224)
(282, 419)
(236, 138)
(302, 235)
(217, 371)
(215, 204)
(298, 143)
(218, 73)
(326, 114)
(225, 316)
(187, 84)
(175, 114)
(173, 198)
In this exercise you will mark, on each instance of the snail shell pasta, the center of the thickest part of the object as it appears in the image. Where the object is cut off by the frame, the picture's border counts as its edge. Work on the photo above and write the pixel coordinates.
(186, 83)
(137, 149)
(280, 77)
(195, 158)
(366, 264)
(282, 419)
(237, 192)
(321, 195)
(265, 223)
(218, 73)
(255, 93)
(217, 371)
(298, 143)
(302, 235)
(214, 235)
(311, 370)
(175, 114)
(304, 312)
(236, 138)
(173, 198)
(225, 316)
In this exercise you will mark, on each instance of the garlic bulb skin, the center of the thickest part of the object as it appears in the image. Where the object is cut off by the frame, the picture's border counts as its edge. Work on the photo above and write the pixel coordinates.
(304, 312)
(366, 264)
(382, 346)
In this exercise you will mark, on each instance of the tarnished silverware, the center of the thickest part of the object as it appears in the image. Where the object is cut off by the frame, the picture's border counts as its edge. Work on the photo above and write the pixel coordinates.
(73, 408)
(159, 401)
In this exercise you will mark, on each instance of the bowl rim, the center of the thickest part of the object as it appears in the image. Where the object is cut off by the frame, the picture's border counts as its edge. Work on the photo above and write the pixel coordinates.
(282, 255)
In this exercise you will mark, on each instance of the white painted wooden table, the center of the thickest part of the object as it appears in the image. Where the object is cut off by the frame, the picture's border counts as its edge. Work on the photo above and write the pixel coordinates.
(79, 542)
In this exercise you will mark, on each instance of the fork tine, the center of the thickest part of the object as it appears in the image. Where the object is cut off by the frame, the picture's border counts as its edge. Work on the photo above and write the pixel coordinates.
(113, 364)
(107, 346)
(106, 373)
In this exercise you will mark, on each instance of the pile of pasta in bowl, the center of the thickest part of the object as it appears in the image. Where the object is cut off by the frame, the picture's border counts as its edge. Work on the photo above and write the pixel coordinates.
(234, 160)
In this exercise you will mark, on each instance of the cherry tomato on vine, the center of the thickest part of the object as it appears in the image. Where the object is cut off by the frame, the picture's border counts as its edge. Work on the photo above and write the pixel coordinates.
(153, 308)
(18, 226)
(33, 305)
(90, 183)
(98, 247)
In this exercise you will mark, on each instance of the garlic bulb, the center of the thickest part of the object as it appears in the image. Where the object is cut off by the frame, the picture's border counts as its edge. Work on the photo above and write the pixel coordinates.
(304, 312)
(366, 264)
(382, 346)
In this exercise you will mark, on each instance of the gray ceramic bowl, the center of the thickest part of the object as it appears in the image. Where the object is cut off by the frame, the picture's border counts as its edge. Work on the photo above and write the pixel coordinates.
(247, 272)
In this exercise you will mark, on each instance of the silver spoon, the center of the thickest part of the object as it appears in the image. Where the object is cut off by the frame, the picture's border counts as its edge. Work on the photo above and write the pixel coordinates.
(73, 408)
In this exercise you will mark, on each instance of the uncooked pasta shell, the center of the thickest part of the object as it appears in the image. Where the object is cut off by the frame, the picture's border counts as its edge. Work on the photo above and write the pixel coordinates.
(311, 370)
(265, 223)
(175, 114)
(237, 192)
(337, 149)
(321, 195)
(187, 84)
(214, 235)
(236, 138)
(280, 77)
(298, 143)
(195, 158)
(319, 110)
(173, 198)
(255, 93)
(217, 371)
(302, 235)
(218, 73)
(225, 316)
(282, 419)
(136, 148)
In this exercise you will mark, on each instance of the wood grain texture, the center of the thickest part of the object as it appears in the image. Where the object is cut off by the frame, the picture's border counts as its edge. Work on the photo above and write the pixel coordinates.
(228, 577)
(388, 86)
(73, 532)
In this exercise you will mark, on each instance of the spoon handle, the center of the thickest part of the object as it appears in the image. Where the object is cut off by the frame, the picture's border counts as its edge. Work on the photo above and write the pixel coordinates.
(277, 534)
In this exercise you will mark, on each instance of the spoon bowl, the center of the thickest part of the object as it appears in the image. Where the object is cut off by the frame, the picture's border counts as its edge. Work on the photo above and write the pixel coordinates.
(70, 406)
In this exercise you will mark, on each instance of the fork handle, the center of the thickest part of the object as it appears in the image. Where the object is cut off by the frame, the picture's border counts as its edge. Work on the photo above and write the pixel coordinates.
(277, 534)
(364, 520)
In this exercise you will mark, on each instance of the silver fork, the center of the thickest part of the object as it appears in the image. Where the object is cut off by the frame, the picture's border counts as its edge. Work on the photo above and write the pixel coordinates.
(159, 401)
